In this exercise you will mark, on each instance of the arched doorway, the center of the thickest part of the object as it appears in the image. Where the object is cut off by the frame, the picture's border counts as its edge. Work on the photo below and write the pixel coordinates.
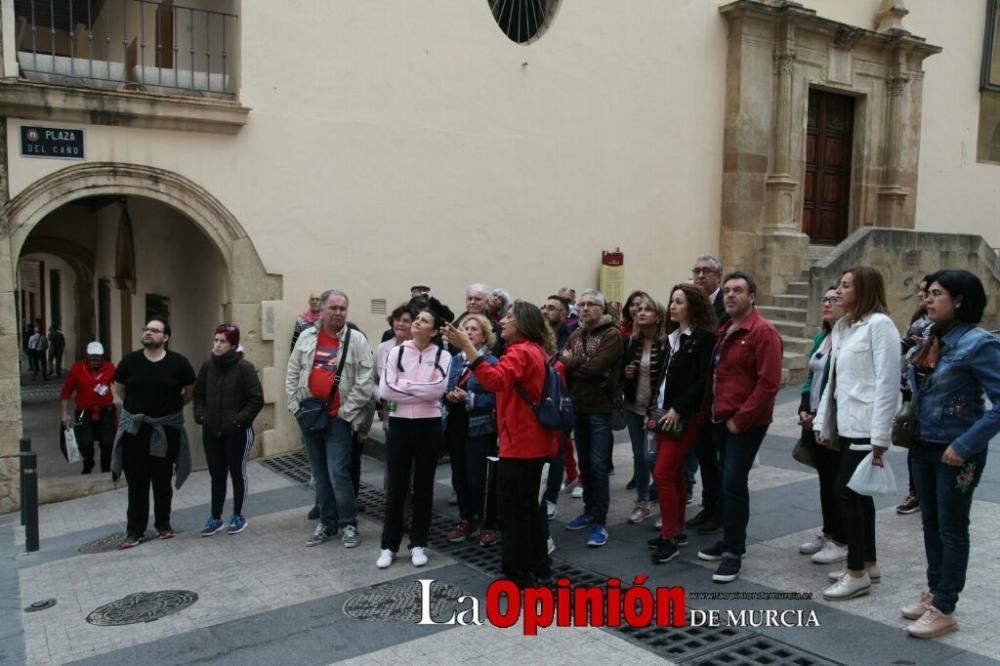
(190, 255)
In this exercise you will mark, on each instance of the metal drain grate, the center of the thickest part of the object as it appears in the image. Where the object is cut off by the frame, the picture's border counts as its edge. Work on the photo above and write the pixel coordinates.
(402, 602)
(722, 646)
(683, 643)
(760, 649)
(293, 465)
(141, 607)
(109, 543)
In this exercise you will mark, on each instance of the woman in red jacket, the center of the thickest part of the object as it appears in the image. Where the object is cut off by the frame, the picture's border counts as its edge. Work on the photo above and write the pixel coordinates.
(525, 445)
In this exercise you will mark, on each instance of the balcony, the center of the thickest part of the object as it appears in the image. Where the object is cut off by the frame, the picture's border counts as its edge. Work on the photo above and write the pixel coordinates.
(131, 45)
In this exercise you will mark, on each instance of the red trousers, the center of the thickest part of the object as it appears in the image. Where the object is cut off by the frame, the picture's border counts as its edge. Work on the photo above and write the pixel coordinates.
(668, 475)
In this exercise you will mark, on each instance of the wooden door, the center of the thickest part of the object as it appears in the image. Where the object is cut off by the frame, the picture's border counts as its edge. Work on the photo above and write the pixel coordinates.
(827, 183)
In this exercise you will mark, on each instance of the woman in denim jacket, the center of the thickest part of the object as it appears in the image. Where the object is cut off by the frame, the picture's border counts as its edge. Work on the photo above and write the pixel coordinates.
(948, 375)
(470, 431)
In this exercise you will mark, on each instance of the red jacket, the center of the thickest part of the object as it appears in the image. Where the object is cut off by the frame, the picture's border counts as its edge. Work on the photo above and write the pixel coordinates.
(521, 436)
(82, 380)
(747, 372)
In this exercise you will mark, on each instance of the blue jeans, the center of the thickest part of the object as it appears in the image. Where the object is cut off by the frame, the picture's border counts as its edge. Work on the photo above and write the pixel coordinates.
(636, 424)
(737, 453)
(945, 496)
(330, 460)
(593, 446)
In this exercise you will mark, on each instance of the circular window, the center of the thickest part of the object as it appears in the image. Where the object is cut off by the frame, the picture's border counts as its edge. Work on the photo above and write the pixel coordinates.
(523, 20)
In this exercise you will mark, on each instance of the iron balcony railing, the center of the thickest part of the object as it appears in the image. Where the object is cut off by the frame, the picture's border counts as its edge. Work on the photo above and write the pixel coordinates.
(137, 44)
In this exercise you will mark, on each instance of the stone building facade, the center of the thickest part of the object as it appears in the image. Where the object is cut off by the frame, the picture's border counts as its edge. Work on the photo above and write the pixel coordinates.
(236, 156)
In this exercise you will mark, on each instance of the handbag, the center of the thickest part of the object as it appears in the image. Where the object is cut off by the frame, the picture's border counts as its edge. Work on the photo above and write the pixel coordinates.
(69, 446)
(491, 491)
(314, 414)
(904, 425)
(802, 454)
(653, 423)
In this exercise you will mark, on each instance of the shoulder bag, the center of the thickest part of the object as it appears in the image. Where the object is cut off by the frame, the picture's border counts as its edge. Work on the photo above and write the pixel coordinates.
(314, 413)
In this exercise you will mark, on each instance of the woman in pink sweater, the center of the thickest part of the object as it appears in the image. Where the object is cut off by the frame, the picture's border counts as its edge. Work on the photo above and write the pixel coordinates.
(412, 385)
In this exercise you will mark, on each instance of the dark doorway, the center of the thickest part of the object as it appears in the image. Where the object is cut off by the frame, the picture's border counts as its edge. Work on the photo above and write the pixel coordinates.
(827, 189)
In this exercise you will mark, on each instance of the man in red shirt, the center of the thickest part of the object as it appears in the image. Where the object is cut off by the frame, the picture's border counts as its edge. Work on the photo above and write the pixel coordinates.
(94, 417)
(747, 376)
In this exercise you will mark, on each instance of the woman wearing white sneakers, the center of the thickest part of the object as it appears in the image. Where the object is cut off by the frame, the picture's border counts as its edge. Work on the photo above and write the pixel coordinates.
(828, 546)
(412, 385)
(858, 405)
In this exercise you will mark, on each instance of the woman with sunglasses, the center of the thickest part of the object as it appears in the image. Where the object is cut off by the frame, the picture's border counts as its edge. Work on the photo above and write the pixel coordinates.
(829, 545)
(227, 397)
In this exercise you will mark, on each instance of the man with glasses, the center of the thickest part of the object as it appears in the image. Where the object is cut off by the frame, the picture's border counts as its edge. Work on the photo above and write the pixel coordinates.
(593, 360)
(706, 275)
(154, 385)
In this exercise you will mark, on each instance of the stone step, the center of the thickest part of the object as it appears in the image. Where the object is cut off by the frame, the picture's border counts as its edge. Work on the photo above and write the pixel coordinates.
(798, 288)
(776, 313)
(796, 344)
(792, 329)
(794, 361)
(794, 377)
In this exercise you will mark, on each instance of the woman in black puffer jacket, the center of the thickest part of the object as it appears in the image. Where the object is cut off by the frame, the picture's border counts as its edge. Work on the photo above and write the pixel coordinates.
(227, 398)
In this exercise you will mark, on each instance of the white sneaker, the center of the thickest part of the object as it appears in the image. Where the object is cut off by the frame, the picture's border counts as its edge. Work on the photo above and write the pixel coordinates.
(848, 587)
(874, 573)
(417, 556)
(814, 545)
(577, 492)
(385, 558)
(830, 553)
(551, 509)
(551, 545)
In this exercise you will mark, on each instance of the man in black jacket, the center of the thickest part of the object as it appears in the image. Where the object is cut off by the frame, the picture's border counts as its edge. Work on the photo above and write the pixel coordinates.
(707, 275)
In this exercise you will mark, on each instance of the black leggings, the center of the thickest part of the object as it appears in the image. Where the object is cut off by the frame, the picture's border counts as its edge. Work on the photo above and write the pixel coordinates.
(857, 512)
(228, 454)
(410, 444)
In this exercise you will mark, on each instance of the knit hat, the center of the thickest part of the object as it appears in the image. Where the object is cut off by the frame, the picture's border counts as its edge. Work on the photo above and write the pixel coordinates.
(95, 349)
(231, 331)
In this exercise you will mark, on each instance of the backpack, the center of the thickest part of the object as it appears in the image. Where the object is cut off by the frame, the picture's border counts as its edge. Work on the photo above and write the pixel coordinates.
(554, 410)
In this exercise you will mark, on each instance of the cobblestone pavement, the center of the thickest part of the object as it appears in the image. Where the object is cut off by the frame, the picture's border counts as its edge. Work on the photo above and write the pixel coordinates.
(263, 597)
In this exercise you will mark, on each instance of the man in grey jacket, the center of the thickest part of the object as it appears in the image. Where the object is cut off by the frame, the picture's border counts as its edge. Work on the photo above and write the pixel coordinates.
(318, 369)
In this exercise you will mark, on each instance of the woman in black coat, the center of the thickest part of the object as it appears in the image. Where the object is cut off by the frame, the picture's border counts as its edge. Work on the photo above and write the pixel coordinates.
(227, 398)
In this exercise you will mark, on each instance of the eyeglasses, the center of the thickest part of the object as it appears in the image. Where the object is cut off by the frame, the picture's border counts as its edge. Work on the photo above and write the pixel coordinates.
(831, 300)
(152, 330)
(703, 271)
(589, 304)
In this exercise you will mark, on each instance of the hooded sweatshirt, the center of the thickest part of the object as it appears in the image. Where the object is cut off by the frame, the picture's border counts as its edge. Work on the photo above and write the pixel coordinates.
(415, 380)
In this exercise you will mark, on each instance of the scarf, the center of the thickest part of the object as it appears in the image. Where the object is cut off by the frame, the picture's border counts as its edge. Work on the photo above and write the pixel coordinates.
(927, 357)
(310, 317)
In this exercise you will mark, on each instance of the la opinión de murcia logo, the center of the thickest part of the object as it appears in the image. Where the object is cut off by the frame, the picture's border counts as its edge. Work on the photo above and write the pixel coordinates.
(606, 605)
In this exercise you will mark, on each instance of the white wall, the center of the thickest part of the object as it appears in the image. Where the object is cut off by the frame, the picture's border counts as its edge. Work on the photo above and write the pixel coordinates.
(393, 143)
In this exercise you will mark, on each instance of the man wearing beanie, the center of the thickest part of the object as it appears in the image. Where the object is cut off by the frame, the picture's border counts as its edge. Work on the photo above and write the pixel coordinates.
(93, 420)
(154, 384)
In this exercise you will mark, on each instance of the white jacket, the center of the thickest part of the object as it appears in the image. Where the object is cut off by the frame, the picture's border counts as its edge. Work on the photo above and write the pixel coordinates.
(866, 362)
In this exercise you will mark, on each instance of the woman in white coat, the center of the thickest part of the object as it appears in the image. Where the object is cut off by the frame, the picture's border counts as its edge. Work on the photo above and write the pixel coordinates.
(858, 405)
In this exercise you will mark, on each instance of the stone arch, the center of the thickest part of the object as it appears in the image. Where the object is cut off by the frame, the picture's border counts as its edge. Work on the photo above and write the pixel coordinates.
(81, 260)
(248, 282)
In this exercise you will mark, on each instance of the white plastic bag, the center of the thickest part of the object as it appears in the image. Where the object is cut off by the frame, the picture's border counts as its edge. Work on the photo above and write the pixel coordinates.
(72, 450)
(873, 477)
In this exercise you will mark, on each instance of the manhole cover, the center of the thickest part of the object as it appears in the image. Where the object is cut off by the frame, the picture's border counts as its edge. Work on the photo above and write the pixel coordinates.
(402, 602)
(40, 605)
(109, 543)
(141, 607)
